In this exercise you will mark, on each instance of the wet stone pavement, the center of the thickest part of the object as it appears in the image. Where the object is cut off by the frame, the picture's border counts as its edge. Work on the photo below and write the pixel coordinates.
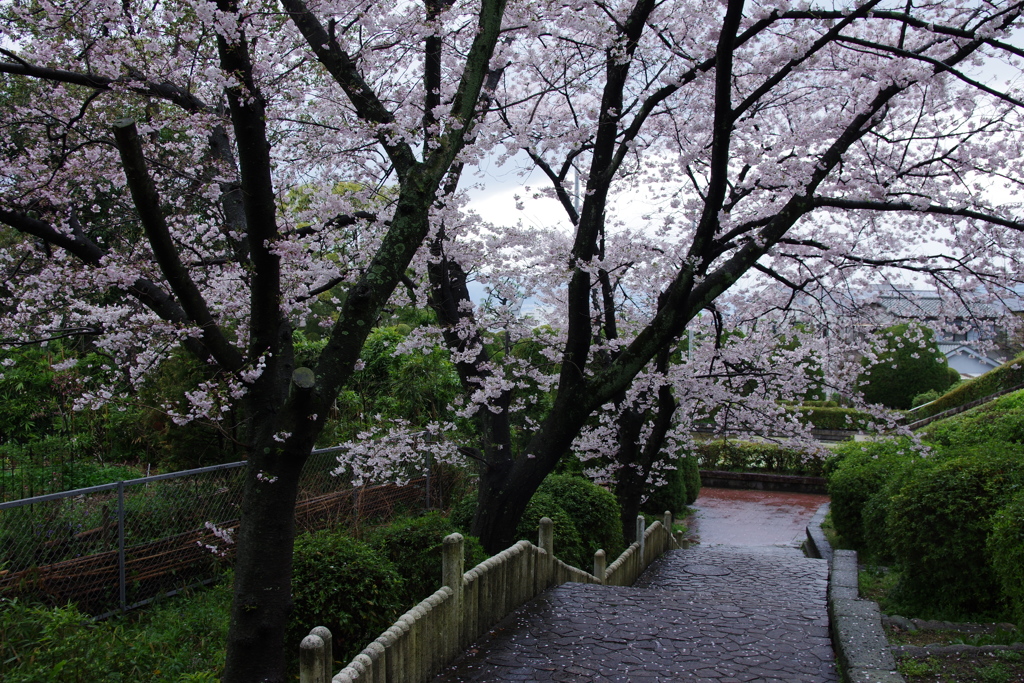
(739, 607)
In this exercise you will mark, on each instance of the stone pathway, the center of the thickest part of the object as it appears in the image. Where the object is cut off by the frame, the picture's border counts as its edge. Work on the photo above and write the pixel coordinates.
(718, 614)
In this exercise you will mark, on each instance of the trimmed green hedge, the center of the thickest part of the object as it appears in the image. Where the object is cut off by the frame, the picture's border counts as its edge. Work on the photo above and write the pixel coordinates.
(345, 585)
(939, 523)
(998, 420)
(908, 363)
(1006, 553)
(1006, 376)
(594, 510)
(860, 471)
(414, 545)
(682, 486)
(586, 518)
(758, 457)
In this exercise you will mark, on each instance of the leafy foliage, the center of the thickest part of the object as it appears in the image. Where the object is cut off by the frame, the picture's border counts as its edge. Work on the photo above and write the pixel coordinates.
(907, 363)
(176, 640)
(747, 456)
(594, 510)
(343, 584)
(999, 420)
(860, 472)
(1006, 376)
(414, 546)
(940, 520)
(1005, 549)
(682, 486)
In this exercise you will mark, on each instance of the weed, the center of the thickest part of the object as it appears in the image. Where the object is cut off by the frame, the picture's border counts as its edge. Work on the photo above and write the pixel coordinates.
(996, 672)
(917, 667)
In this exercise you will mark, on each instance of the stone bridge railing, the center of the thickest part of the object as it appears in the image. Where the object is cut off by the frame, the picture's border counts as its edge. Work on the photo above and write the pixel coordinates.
(434, 632)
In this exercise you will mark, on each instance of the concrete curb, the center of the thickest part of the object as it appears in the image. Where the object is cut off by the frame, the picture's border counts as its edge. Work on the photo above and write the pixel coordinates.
(860, 643)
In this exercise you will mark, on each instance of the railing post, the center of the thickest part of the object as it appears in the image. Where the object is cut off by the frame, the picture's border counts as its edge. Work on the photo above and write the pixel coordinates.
(328, 652)
(311, 660)
(546, 540)
(453, 571)
(641, 527)
(599, 565)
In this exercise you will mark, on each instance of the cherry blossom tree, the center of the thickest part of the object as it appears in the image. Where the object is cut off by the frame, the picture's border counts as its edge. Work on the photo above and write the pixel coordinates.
(820, 149)
(216, 175)
(152, 156)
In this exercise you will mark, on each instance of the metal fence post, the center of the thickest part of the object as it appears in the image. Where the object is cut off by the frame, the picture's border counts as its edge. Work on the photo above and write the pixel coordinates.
(122, 587)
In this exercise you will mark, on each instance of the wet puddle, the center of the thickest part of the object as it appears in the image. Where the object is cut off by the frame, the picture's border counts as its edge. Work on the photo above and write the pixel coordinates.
(739, 517)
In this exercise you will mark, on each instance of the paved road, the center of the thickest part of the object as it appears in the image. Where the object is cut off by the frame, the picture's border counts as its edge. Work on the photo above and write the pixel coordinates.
(718, 614)
(752, 519)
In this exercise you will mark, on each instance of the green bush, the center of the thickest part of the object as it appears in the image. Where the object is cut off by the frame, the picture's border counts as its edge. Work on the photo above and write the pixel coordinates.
(939, 522)
(1006, 553)
(758, 456)
(926, 397)
(341, 583)
(860, 470)
(413, 545)
(832, 417)
(1006, 376)
(673, 495)
(690, 468)
(907, 363)
(568, 543)
(998, 420)
(594, 511)
(567, 538)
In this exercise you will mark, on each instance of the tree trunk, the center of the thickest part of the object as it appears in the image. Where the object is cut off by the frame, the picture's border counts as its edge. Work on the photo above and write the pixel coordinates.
(262, 591)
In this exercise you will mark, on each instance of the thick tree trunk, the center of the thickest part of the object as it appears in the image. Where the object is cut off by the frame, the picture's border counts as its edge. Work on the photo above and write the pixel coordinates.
(262, 591)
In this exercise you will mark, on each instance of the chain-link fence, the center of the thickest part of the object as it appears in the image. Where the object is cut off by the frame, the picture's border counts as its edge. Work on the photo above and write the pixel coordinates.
(117, 546)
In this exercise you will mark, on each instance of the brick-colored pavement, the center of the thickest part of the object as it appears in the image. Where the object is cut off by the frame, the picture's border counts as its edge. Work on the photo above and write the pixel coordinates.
(717, 614)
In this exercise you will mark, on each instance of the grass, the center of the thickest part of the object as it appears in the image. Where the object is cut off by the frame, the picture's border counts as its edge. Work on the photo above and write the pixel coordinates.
(175, 641)
(877, 583)
(992, 667)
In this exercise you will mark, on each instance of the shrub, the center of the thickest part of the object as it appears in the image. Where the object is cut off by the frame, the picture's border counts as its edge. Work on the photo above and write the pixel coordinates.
(939, 522)
(907, 363)
(832, 417)
(860, 471)
(998, 420)
(413, 545)
(1006, 376)
(341, 583)
(568, 545)
(690, 469)
(1005, 549)
(672, 495)
(594, 510)
(926, 397)
(758, 456)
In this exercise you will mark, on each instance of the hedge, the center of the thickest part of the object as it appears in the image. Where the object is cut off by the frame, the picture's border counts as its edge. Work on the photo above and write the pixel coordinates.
(859, 471)
(1006, 376)
(998, 420)
(939, 522)
(345, 585)
(1005, 549)
(594, 510)
(413, 545)
(758, 456)
(681, 488)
